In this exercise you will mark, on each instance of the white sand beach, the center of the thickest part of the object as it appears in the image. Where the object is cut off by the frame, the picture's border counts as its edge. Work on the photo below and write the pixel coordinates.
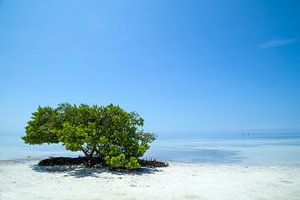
(25, 180)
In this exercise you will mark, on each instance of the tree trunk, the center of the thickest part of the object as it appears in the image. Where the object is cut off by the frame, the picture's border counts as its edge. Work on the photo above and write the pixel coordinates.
(92, 152)
(89, 153)
(86, 153)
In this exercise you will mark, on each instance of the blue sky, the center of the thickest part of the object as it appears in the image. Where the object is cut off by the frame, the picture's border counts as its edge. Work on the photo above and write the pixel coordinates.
(185, 66)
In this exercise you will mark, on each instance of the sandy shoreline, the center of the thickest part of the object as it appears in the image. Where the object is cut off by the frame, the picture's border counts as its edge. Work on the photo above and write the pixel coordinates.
(179, 181)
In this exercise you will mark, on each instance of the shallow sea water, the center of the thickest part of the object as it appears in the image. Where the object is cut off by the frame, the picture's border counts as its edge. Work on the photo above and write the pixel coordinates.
(243, 149)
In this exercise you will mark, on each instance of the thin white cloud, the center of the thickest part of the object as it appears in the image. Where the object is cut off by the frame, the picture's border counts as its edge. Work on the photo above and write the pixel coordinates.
(277, 43)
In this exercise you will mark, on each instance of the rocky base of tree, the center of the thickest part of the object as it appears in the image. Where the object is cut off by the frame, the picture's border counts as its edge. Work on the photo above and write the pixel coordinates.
(93, 162)
(152, 163)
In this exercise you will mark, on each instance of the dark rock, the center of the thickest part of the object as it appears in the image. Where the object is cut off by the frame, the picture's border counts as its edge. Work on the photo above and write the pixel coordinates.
(93, 162)
(153, 163)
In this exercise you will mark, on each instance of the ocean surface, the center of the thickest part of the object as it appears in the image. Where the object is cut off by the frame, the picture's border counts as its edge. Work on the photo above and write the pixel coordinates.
(243, 149)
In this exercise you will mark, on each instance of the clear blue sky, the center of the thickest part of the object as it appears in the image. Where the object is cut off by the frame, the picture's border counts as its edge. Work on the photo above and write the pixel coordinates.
(183, 65)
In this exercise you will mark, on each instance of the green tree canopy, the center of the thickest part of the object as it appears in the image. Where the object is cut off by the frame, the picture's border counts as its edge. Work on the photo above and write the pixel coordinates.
(109, 132)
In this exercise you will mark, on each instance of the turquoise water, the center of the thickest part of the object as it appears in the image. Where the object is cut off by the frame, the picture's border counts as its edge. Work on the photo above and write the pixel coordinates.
(254, 149)
(13, 147)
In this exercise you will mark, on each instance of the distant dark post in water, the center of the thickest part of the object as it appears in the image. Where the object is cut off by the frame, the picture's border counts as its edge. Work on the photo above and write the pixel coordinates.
(247, 134)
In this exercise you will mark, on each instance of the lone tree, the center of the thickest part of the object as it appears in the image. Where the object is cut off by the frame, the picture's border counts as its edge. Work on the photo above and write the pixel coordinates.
(109, 133)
